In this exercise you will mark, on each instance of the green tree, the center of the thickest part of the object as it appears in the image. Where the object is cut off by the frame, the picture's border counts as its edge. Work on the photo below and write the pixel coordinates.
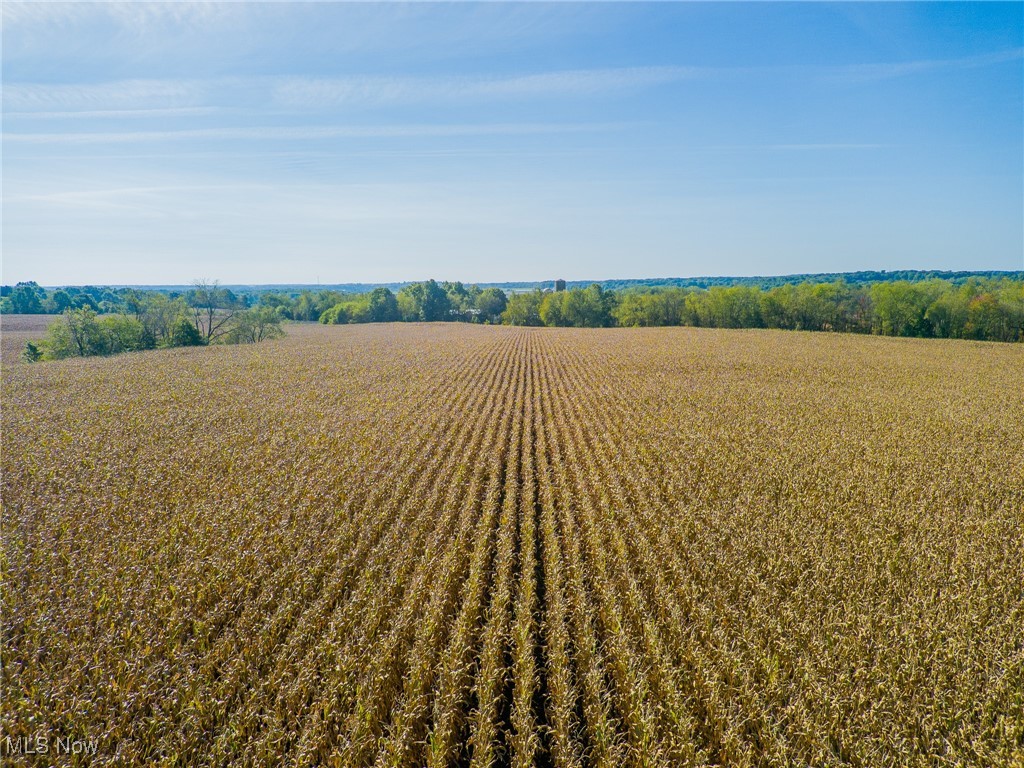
(665, 306)
(733, 307)
(491, 302)
(184, 333)
(997, 314)
(381, 306)
(82, 300)
(76, 334)
(25, 299)
(1011, 304)
(949, 312)
(590, 307)
(460, 299)
(58, 343)
(85, 332)
(278, 302)
(552, 308)
(523, 308)
(213, 308)
(670, 305)
(59, 301)
(819, 305)
(336, 315)
(121, 333)
(634, 310)
(780, 307)
(160, 313)
(252, 326)
(425, 301)
(304, 307)
(900, 307)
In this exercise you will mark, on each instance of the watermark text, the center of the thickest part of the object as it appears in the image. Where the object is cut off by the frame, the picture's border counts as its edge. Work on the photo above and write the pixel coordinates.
(39, 744)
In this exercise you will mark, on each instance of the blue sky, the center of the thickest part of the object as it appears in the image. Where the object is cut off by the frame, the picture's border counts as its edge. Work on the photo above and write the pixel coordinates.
(286, 142)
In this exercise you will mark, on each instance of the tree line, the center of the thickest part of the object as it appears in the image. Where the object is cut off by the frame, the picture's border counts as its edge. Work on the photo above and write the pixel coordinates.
(764, 282)
(977, 308)
(982, 309)
(140, 320)
(427, 301)
(971, 308)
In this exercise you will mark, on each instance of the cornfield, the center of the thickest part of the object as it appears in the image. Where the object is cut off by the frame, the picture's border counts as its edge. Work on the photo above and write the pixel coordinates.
(439, 545)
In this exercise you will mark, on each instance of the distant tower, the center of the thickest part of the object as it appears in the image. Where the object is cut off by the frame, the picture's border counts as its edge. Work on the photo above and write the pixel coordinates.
(559, 285)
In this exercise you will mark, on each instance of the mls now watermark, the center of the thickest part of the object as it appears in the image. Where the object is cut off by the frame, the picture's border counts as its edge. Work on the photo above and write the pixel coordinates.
(46, 745)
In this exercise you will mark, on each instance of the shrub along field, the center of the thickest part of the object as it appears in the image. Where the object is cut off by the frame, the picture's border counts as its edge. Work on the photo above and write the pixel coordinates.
(15, 330)
(464, 545)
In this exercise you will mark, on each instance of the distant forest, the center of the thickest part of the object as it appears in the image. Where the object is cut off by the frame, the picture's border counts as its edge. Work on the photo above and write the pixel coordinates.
(967, 305)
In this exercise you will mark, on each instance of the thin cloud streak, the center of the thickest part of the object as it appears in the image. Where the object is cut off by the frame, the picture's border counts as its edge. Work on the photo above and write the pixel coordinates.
(306, 92)
(119, 113)
(312, 133)
(368, 90)
(375, 90)
(826, 147)
(312, 92)
(891, 70)
(113, 95)
(130, 15)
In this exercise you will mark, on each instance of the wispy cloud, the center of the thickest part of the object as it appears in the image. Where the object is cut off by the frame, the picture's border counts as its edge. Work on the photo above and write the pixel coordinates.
(114, 95)
(135, 15)
(371, 90)
(312, 133)
(890, 70)
(140, 97)
(137, 200)
(317, 92)
(160, 112)
(823, 147)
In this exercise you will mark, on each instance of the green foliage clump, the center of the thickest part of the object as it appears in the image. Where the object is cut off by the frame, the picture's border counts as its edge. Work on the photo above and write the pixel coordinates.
(378, 306)
(590, 307)
(184, 334)
(25, 299)
(80, 333)
(491, 302)
(158, 322)
(32, 353)
(424, 302)
(524, 308)
(252, 326)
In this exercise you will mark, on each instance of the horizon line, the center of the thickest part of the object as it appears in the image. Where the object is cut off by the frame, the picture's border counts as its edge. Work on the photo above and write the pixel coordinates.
(589, 281)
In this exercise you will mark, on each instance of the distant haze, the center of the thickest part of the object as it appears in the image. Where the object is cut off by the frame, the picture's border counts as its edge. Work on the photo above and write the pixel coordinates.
(344, 143)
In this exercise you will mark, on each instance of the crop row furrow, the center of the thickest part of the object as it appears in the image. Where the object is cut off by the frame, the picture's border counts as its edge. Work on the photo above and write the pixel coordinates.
(358, 600)
(409, 726)
(363, 676)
